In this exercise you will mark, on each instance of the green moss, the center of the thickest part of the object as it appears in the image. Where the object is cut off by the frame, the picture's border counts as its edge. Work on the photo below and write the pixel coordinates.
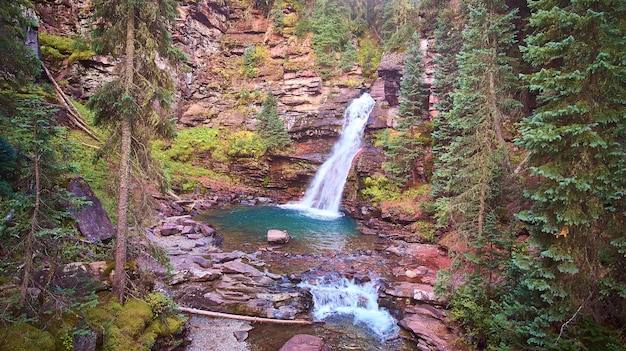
(60, 47)
(380, 188)
(425, 228)
(189, 156)
(81, 55)
(124, 326)
(134, 317)
(62, 44)
(24, 337)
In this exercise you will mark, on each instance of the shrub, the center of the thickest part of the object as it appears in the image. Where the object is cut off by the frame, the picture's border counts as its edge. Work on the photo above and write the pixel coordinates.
(244, 143)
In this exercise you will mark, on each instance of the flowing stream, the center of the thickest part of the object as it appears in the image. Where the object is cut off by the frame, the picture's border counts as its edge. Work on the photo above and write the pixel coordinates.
(323, 197)
(334, 297)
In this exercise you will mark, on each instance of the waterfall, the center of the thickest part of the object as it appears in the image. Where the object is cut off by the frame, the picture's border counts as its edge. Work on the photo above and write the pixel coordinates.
(344, 297)
(325, 191)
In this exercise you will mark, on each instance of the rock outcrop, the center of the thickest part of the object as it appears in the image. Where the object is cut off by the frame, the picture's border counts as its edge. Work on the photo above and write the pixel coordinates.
(92, 220)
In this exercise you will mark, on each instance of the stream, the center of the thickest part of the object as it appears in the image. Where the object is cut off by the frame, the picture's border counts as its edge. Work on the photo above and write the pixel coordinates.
(338, 265)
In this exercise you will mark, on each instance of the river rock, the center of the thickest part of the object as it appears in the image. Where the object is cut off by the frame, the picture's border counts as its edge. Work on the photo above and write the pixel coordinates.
(169, 228)
(275, 236)
(206, 230)
(304, 342)
(239, 267)
(221, 257)
(417, 291)
(204, 275)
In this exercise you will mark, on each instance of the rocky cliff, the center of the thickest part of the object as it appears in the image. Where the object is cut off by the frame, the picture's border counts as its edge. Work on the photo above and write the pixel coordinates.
(215, 91)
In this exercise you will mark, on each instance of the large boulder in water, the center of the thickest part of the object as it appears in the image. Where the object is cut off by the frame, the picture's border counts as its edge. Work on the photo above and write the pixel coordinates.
(304, 342)
(275, 236)
(93, 221)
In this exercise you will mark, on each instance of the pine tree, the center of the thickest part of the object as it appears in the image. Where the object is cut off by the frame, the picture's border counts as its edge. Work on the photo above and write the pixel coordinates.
(448, 43)
(270, 126)
(137, 32)
(404, 148)
(475, 161)
(577, 142)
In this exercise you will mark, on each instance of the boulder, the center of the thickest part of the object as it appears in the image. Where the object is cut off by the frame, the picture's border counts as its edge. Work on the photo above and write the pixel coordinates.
(304, 342)
(275, 236)
(92, 220)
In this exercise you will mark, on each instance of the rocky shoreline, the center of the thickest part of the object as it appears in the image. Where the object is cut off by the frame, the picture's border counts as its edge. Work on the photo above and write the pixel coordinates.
(205, 277)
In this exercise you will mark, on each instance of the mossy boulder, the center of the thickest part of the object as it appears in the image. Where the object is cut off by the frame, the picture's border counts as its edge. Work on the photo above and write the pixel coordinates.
(25, 337)
(132, 327)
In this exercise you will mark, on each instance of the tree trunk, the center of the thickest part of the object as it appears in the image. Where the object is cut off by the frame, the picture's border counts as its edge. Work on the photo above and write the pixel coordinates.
(119, 282)
(34, 224)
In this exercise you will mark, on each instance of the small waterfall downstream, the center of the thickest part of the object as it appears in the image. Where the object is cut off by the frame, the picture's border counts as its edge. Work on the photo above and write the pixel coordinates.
(324, 194)
(339, 297)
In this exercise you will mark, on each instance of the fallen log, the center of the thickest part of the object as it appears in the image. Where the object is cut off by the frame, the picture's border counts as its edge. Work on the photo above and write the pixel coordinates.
(74, 116)
(244, 318)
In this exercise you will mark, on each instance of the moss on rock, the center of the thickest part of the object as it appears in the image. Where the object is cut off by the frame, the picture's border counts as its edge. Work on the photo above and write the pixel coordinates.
(25, 337)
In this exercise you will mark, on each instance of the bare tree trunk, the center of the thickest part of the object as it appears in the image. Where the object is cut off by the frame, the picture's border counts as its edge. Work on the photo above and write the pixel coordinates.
(34, 223)
(119, 282)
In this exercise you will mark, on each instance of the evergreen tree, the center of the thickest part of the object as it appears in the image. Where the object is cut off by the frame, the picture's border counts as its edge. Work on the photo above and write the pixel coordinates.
(330, 25)
(270, 126)
(475, 161)
(577, 142)
(448, 43)
(404, 148)
(137, 32)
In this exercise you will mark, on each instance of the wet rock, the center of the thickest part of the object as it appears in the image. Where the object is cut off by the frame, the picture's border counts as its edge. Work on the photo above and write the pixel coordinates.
(283, 312)
(92, 220)
(304, 342)
(206, 230)
(275, 236)
(275, 297)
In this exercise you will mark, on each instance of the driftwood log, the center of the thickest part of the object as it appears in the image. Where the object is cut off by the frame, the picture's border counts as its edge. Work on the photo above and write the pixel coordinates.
(244, 318)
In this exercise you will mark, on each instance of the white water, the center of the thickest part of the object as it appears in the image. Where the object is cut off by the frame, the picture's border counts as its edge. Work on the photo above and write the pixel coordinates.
(344, 297)
(323, 197)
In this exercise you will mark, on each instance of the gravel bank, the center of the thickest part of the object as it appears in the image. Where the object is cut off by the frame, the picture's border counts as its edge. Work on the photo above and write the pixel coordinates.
(217, 334)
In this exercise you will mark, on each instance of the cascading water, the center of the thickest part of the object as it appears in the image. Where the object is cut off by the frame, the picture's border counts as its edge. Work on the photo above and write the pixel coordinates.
(344, 297)
(325, 191)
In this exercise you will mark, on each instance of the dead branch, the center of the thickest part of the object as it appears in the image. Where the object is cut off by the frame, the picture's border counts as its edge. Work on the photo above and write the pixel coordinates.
(243, 318)
(75, 116)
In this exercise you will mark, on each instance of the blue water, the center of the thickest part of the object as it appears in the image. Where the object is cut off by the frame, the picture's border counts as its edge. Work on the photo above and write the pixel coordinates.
(248, 225)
